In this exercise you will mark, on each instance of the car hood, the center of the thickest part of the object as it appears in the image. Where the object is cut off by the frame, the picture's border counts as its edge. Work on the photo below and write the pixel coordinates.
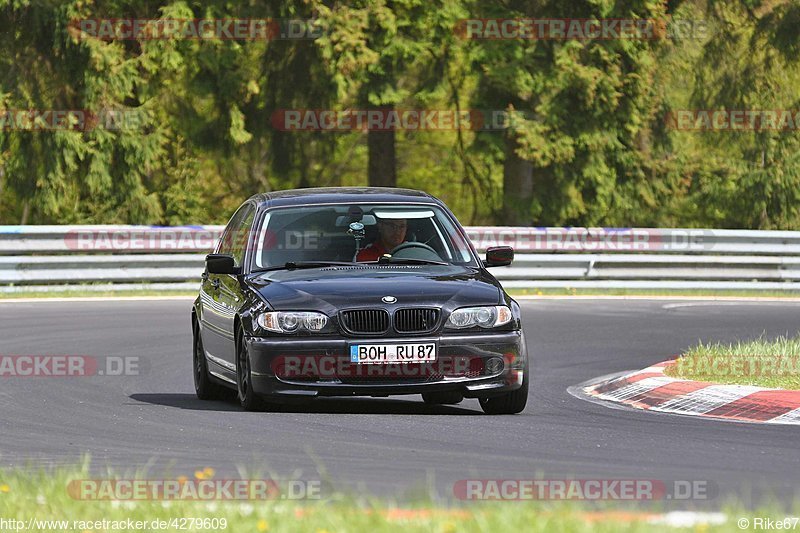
(333, 288)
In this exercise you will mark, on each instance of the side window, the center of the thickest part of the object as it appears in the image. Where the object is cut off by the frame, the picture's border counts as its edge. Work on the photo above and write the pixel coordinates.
(242, 232)
(225, 245)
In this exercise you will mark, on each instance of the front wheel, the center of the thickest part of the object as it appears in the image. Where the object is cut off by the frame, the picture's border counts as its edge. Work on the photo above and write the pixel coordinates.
(510, 403)
(204, 388)
(244, 379)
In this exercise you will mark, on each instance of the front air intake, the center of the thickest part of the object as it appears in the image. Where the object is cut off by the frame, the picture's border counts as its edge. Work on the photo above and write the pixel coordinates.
(365, 321)
(415, 320)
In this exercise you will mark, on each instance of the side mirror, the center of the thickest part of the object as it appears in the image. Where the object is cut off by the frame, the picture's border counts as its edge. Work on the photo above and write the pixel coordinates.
(221, 264)
(498, 256)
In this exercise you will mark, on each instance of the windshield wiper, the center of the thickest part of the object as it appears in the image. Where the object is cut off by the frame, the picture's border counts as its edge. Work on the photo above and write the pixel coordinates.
(293, 265)
(409, 261)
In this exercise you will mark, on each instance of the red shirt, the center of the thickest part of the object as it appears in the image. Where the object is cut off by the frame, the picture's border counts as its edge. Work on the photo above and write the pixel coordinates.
(372, 252)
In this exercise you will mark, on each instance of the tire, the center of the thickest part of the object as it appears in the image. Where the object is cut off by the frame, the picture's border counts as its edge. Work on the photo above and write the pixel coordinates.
(442, 398)
(248, 399)
(510, 403)
(204, 388)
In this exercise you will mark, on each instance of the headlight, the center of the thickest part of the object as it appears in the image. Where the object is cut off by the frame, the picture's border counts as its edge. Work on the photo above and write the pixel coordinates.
(292, 321)
(485, 317)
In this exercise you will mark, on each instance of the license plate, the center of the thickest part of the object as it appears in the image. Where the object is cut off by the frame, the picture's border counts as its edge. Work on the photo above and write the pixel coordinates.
(392, 353)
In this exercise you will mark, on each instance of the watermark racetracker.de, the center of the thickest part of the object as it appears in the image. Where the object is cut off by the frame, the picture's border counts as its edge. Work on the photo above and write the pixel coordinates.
(522, 239)
(386, 119)
(299, 367)
(580, 29)
(225, 29)
(584, 489)
(733, 120)
(69, 366)
(740, 365)
(185, 489)
(579, 239)
(143, 239)
(78, 120)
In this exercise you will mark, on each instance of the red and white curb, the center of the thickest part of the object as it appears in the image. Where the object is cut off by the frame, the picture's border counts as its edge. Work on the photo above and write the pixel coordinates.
(651, 390)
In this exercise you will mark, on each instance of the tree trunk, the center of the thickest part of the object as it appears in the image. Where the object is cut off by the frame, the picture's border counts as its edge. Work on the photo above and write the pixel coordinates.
(26, 211)
(382, 166)
(517, 187)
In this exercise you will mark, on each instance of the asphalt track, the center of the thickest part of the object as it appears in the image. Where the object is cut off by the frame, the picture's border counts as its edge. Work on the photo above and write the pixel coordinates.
(395, 447)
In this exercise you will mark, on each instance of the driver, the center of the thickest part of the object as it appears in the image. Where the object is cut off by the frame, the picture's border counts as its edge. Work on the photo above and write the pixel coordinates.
(391, 234)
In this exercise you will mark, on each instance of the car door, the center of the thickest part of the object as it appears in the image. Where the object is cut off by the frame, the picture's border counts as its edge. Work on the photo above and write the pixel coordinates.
(231, 296)
(217, 334)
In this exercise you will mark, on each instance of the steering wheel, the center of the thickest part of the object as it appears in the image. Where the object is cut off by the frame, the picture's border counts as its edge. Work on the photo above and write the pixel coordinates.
(412, 244)
(419, 246)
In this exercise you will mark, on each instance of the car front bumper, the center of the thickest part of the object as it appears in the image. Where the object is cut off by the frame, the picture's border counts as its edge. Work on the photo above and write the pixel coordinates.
(310, 367)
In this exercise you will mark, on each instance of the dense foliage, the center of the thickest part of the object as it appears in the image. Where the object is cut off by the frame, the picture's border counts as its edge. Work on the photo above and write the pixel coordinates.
(587, 140)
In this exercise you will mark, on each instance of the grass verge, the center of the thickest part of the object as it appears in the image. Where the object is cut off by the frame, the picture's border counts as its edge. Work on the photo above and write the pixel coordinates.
(761, 362)
(43, 496)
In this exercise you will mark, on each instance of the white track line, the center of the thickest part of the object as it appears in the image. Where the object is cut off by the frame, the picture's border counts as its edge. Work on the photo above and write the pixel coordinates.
(790, 299)
(96, 299)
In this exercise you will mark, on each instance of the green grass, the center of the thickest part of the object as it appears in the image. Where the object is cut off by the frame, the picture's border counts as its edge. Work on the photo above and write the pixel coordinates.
(760, 362)
(42, 495)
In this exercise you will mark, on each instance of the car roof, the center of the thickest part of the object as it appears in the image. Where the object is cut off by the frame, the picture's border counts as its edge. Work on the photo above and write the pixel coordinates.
(342, 195)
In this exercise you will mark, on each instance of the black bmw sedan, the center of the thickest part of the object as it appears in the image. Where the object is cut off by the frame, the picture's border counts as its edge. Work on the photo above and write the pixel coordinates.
(355, 291)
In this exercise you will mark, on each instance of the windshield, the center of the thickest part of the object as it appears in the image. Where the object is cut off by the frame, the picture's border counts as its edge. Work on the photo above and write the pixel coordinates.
(363, 233)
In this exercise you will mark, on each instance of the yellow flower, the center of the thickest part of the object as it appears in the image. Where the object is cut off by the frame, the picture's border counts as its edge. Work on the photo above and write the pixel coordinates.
(263, 525)
(209, 472)
(200, 474)
(5, 489)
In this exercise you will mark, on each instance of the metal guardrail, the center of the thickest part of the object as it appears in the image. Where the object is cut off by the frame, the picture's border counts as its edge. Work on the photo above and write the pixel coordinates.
(135, 257)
